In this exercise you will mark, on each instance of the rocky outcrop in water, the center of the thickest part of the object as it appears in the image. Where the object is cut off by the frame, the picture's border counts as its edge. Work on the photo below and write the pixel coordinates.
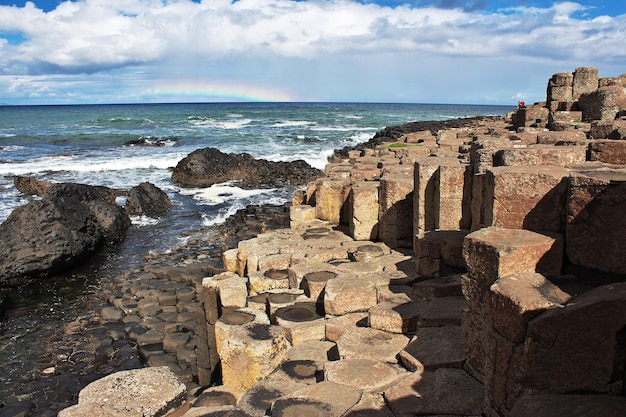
(33, 186)
(208, 166)
(146, 199)
(70, 222)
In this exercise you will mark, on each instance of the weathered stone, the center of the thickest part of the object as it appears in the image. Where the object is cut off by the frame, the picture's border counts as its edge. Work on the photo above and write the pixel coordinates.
(298, 271)
(493, 252)
(526, 198)
(396, 208)
(314, 284)
(608, 151)
(579, 347)
(541, 155)
(339, 325)
(595, 220)
(366, 343)
(349, 294)
(395, 316)
(585, 80)
(318, 351)
(365, 374)
(603, 103)
(330, 197)
(444, 391)
(323, 399)
(438, 287)
(300, 214)
(251, 352)
(364, 209)
(231, 289)
(145, 392)
(301, 322)
(568, 136)
(146, 199)
(434, 347)
(259, 282)
(257, 401)
(229, 260)
(517, 298)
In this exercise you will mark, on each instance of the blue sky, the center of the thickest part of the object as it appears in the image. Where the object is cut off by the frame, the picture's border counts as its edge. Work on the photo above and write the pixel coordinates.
(424, 51)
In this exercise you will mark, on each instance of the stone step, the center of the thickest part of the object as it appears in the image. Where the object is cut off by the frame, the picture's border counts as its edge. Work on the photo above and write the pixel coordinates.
(434, 347)
(438, 287)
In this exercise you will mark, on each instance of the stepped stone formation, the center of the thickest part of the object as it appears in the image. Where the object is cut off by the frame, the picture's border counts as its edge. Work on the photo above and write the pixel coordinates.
(476, 270)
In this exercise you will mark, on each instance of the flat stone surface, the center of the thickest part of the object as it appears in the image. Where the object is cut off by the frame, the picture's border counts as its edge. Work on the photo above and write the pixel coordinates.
(142, 392)
(366, 343)
(338, 325)
(297, 272)
(444, 391)
(395, 317)
(438, 287)
(440, 311)
(318, 351)
(365, 374)
(349, 294)
(493, 252)
(370, 405)
(258, 400)
(323, 399)
(570, 405)
(517, 298)
(434, 347)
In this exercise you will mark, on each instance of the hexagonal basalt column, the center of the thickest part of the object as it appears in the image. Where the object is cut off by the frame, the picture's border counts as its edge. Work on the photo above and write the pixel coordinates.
(302, 322)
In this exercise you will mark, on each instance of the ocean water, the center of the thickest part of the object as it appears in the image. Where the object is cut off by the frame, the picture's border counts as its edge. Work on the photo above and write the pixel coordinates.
(95, 144)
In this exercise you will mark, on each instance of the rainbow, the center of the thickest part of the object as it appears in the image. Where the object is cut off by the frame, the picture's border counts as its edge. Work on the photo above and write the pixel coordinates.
(194, 90)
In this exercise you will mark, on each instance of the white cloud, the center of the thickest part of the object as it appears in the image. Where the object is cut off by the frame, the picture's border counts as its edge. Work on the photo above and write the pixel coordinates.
(183, 38)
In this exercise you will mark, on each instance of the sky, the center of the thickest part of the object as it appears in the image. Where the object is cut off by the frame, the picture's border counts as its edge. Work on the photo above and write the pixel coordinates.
(422, 51)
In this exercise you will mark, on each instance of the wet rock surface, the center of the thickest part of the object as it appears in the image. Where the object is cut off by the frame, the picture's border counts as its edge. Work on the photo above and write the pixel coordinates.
(208, 166)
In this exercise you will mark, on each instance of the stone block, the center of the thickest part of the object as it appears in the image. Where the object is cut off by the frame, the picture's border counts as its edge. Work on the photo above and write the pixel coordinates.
(579, 347)
(349, 293)
(299, 215)
(274, 262)
(434, 347)
(438, 287)
(330, 197)
(477, 208)
(493, 252)
(364, 208)
(596, 205)
(232, 289)
(446, 245)
(603, 103)
(585, 80)
(250, 352)
(517, 298)
(395, 316)
(608, 151)
(541, 155)
(452, 190)
(150, 392)
(436, 393)
(522, 197)
(323, 399)
(569, 136)
(298, 271)
(367, 375)
(425, 173)
(396, 208)
(257, 401)
(339, 325)
(367, 343)
(261, 282)
(229, 260)
(301, 322)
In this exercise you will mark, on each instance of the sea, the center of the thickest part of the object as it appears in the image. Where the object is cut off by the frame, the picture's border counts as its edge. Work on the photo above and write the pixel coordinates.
(123, 145)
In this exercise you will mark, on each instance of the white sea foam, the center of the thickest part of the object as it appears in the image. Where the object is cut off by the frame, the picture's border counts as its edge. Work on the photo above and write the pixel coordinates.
(142, 221)
(221, 124)
(293, 123)
(221, 193)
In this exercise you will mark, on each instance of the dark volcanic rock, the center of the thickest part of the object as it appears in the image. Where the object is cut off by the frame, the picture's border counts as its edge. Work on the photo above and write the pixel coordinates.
(32, 186)
(150, 141)
(147, 199)
(208, 166)
(49, 235)
(3, 303)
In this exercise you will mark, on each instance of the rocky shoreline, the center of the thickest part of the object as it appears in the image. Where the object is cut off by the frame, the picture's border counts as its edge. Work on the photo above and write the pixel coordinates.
(99, 342)
(434, 273)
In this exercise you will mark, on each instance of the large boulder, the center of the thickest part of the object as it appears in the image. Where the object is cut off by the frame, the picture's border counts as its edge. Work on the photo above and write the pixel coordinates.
(47, 236)
(146, 199)
(208, 166)
(33, 186)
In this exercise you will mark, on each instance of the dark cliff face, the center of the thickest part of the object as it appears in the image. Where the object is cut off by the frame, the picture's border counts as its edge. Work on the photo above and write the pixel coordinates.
(52, 234)
(208, 166)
